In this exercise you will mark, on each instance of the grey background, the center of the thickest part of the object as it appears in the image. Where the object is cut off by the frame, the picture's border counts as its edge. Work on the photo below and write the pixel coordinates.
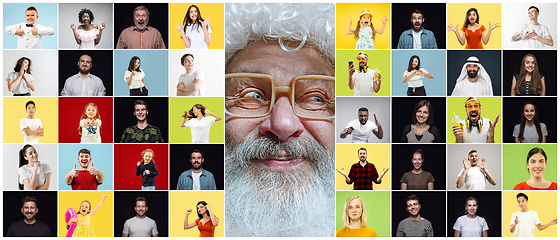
(68, 14)
(456, 153)
(47, 154)
(347, 110)
(44, 69)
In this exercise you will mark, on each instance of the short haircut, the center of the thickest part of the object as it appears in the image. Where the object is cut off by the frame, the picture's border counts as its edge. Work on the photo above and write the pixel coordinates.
(197, 151)
(29, 199)
(140, 102)
(35, 9)
(82, 12)
(362, 148)
(29, 102)
(185, 56)
(417, 11)
(346, 218)
(140, 199)
(83, 150)
(418, 151)
(522, 195)
(471, 152)
(536, 8)
(363, 109)
(411, 198)
(140, 8)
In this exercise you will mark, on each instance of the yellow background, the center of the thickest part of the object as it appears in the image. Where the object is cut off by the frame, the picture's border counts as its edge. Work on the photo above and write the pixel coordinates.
(542, 202)
(180, 201)
(101, 221)
(378, 10)
(487, 12)
(46, 110)
(178, 106)
(207, 10)
(378, 154)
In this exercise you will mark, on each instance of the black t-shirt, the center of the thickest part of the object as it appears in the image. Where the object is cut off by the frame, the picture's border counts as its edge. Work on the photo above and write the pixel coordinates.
(22, 229)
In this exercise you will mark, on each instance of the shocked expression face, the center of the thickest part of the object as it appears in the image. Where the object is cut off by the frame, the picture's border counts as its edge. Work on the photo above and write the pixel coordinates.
(141, 19)
(537, 165)
(193, 14)
(529, 64)
(473, 158)
(365, 19)
(363, 116)
(31, 16)
(85, 208)
(471, 207)
(355, 209)
(472, 16)
(29, 210)
(417, 21)
(413, 207)
(473, 111)
(84, 160)
(141, 208)
(417, 161)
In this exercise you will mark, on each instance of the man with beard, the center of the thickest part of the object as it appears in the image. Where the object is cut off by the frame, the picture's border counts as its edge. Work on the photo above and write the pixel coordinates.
(140, 225)
(280, 109)
(83, 83)
(418, 37)
(533, 34)
(29, 226)
(473, 80)
(415, 225)
(196, 178)
(361, 127)
(363, 173)
(141, 132)
(475, 129)
(85, 178)
(365, 81)
(140, 36)
(473, 175)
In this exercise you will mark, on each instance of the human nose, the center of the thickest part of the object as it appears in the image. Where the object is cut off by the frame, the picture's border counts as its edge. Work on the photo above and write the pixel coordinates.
(282, 123)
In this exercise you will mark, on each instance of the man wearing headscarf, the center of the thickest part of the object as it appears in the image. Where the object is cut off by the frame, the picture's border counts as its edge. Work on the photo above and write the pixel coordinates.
(473, 80)
(365, 81)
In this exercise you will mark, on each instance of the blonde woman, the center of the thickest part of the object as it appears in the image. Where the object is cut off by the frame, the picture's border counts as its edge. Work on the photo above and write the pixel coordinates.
(355, 220)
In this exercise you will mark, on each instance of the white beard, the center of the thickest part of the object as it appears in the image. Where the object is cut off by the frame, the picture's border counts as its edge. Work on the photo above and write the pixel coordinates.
(264, 203)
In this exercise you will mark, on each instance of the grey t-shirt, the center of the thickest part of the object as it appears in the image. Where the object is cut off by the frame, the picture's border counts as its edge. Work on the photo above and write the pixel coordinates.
(415, 228)
(140, 227)
(530, 134)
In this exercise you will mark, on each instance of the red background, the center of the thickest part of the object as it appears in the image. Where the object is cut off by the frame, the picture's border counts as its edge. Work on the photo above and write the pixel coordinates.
(70, 110)
(126, 157)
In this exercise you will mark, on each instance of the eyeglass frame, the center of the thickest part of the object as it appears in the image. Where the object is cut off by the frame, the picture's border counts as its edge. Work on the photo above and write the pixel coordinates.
(276, 90)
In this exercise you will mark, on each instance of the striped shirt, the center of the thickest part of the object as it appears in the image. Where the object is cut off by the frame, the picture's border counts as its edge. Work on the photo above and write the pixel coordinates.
(415, 228)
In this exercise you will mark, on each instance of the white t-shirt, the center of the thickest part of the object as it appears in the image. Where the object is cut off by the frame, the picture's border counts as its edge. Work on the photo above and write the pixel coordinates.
(472, 89)
(136, 80)
(188, 79)
(90, 135)
(140, 227)
(540, 30)
(195, 33)
(527, 222)
(363, 83)
(22, 87)
(196, 180)
(470, 227)
(475, 179)
(200, 130)
(476, 135)
(415, 80)
(361, 132)
(417, 39)
(33, 124)
(26, 172)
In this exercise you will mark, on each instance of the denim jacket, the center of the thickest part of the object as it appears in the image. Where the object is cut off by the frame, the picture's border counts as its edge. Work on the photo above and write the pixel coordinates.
(206, 181)
(406, 41)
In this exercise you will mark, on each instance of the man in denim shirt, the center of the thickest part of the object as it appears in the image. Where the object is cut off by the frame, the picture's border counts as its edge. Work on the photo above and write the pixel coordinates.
(417, 37)
(196, 178)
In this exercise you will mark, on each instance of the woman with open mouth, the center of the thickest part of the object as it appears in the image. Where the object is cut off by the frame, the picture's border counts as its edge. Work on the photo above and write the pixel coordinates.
(529, 81)
(472, 33)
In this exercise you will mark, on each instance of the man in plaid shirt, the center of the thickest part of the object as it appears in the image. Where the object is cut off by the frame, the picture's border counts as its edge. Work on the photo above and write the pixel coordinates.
(363, 173)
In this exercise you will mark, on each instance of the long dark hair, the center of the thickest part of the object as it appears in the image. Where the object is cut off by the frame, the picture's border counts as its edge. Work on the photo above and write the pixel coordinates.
(22, 160)
(132, 62)
(188, 21)
(19, 62)
(535, 77)
(466, 23)
(200, 216)
(420, 104)
(410, 63)
(535, 121)
(190, 113)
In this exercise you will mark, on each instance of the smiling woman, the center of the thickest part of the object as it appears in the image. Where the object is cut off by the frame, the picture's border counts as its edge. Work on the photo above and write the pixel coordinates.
(471, 225)
(421, 129)
(536, 165)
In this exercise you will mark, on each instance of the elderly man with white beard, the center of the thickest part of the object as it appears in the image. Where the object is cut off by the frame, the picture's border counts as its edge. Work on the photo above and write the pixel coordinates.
(280, 108)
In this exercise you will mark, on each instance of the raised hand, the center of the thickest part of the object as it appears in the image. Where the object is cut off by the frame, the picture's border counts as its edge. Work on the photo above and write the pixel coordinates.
(492, 26)
(102, 26)
(385, 170)
(74, 172)
(206, 22)
(350, 19)
(341, 171)
(179, 27)
(73, 26)
(19, 32)
(139, 163)
(375, 119)
(189, 211)
(482, 164)
(206, 111)
(466, 163)
(555, 221)
(493, 125)
(453, 28)
(34, 30)
(384, 20)
(349, 130)
(92, 170)
(516, 220)
(103, 197)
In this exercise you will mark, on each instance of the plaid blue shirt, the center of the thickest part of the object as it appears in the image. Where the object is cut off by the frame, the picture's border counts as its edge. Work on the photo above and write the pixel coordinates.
(406, 41)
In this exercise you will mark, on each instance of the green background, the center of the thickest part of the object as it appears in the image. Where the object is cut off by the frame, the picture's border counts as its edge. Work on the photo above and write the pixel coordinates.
(490, 108)
(515, 167)
(377, 205)
(178, 106)
(380, 59)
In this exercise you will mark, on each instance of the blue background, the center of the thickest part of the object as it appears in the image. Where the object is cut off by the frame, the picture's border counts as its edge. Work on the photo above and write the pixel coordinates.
(102, 158)
(14, 13)
(432, 61)
(153, 62)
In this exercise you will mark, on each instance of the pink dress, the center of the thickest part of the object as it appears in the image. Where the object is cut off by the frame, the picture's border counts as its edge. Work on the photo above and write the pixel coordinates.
(87, 38)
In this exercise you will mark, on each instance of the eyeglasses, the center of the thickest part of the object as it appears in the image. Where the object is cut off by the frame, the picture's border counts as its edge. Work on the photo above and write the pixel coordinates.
(253, 95)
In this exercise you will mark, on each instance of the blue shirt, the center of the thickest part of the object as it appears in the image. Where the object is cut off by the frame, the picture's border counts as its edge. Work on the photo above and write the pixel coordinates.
(206, 181)
(406, 41)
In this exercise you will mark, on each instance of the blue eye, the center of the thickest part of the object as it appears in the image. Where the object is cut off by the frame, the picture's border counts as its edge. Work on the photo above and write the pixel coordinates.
(316, 99)
(255, 95)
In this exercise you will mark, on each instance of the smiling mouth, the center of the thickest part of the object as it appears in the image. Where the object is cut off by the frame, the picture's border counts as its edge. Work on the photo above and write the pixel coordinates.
(281, 163)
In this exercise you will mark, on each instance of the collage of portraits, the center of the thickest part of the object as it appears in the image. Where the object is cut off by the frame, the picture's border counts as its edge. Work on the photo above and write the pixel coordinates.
(436, 118)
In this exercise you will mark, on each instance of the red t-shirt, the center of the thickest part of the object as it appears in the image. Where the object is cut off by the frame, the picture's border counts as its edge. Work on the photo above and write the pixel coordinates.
(84, 181)
(524, 186)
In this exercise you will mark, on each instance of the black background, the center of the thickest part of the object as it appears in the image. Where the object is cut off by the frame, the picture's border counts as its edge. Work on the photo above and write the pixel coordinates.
(180, 155)
(513, 109)
(124, 114)
(101, 66)
(434, 163)
(403, 108)
(434, 20)
(432, 208)
(490, 60)
(158, 209)
(547, 68)
(47, 205)
(489, 207)
(158, 18)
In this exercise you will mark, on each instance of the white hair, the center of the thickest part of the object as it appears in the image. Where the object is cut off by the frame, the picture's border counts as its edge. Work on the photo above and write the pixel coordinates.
(311, 24)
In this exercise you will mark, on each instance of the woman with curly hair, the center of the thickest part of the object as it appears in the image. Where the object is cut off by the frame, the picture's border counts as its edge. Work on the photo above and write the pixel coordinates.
(87, 35)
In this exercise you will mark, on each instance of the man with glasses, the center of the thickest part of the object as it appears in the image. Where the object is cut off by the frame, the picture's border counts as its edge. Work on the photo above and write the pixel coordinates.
(141, 132)
(475, 129)
(280, 108)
